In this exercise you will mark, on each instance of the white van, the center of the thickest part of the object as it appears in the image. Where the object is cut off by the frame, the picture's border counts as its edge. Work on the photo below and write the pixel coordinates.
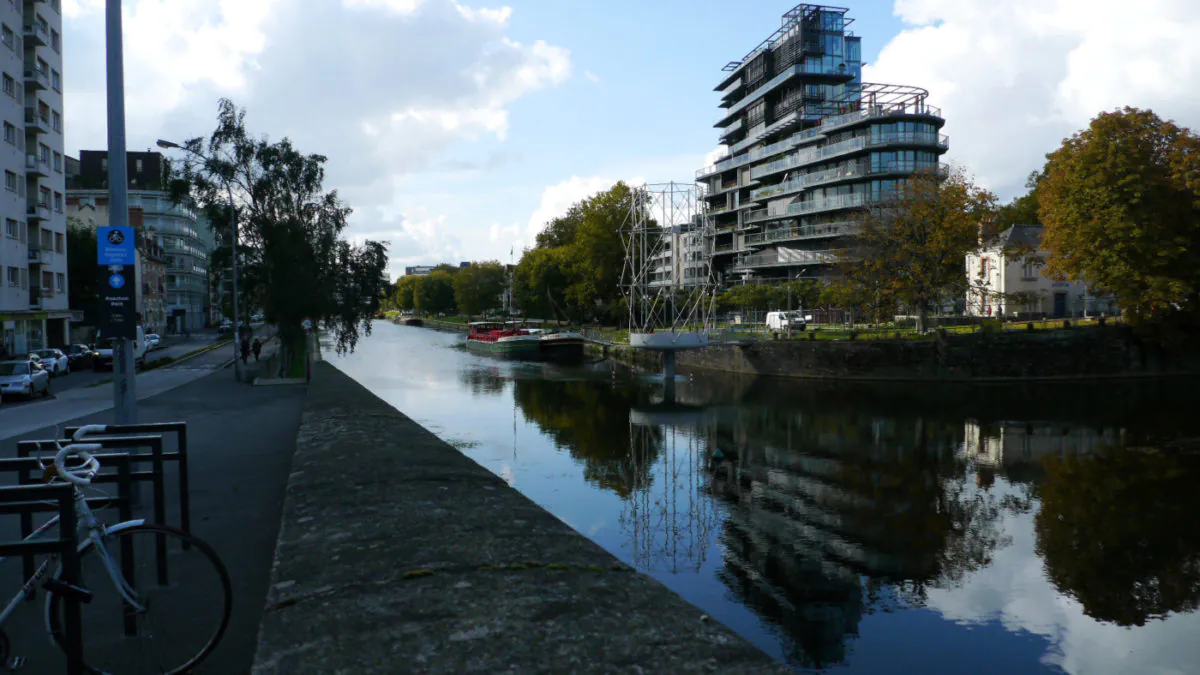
(784, 321)
(102, 356)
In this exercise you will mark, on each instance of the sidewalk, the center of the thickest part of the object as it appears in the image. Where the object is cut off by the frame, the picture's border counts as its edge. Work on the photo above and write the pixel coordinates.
(398, 554)
(241, 441)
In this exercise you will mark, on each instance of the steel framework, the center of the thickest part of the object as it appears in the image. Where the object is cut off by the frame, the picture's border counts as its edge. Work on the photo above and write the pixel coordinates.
(683, 309)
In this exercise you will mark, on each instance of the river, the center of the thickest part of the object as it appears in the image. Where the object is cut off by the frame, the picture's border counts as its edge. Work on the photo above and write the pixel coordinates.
(858, 529)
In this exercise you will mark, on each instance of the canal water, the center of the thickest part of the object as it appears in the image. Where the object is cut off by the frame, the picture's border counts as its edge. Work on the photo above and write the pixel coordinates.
(856, 529)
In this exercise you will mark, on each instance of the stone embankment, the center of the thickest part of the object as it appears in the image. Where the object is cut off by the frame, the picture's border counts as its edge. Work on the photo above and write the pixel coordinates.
(399, 554)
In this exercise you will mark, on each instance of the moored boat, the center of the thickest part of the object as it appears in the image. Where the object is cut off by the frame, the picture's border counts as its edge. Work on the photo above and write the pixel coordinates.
(495, 339)
(562, 347)
(413, 321)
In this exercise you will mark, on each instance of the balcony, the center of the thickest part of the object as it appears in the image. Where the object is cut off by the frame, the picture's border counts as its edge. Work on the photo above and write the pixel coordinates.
(35, 122)
(36, 34)
(37, 211)
(808, 208)
(40, 256)
(846, 172)
(786, 257)
(36, 79)
(878, 111)
(823, 230)
(39, 168)
(35, 298)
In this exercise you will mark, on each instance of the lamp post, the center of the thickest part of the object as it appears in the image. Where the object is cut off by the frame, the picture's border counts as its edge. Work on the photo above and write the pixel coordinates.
(237, 327)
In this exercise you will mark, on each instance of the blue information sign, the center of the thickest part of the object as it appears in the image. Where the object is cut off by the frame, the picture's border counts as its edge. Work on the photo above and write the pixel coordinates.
(116, 246)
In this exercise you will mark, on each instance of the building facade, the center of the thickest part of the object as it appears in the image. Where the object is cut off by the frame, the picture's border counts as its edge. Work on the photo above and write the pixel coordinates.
(808, 144)
(175, 228)
(682, 261)
(1006, 280)
(34, 311)
(86, 208)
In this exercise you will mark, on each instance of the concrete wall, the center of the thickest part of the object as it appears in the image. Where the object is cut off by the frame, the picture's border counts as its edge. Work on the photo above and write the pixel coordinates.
(1074, 353)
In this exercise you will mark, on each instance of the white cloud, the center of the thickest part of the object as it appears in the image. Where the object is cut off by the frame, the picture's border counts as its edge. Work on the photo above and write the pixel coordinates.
(558, 198)
(715, 155)
(1016, 77)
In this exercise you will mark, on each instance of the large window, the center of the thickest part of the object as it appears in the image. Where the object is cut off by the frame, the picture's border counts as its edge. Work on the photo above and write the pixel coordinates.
(8, 37)
(60, 282)
(58, 202)
(14, 276)
(10, 133)
(11, 228)
(10, 85)
(59, 242)
(55, 80)
(10, 181)
(57, 123)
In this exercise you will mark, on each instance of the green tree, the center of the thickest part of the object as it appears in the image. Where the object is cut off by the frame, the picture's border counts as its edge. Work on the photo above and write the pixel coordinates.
(292, 259)
(478, 288)
(83, 292)
(539, 282)
(597, 252)
(911, 249)
(1119, 207)
(434, 293)
(403, 293)
(1022, 210)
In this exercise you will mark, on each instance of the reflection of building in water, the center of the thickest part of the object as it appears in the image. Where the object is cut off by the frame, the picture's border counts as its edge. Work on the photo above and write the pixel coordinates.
(1008, 444)
(670, 523)
(833, 516)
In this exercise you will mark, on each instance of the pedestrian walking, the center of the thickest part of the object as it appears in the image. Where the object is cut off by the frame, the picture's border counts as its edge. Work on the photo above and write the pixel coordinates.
(245, 349)
(257, 347)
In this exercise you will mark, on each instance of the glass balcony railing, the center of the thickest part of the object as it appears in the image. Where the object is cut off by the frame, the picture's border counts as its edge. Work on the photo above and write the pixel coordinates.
(822, 230)
(844, 172)
(787, 256)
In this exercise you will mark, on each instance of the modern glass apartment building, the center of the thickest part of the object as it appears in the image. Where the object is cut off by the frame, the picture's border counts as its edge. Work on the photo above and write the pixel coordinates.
(809, 143)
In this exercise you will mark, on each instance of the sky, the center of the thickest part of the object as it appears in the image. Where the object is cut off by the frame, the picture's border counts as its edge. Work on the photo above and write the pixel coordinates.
(456, 129)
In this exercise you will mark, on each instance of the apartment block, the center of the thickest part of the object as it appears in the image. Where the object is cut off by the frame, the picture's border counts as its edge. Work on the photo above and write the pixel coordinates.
(174, 231)
(34, 310)
(808, 144)
(682, 260)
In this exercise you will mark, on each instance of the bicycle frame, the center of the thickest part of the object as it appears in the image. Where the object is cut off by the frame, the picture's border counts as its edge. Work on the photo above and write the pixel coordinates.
(96, 532)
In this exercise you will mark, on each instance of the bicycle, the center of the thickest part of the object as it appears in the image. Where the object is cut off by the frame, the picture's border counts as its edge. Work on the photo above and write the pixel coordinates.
(158, 567)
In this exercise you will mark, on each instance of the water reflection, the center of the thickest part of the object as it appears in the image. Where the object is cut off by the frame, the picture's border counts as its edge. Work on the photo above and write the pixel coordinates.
(1022, 528)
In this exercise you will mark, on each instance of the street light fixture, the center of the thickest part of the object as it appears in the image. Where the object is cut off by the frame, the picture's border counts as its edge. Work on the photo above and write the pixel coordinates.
(237, 326)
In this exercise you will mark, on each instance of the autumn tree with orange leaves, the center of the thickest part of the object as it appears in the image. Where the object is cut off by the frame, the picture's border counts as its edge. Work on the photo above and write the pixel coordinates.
(1120, 204)
(910, 250)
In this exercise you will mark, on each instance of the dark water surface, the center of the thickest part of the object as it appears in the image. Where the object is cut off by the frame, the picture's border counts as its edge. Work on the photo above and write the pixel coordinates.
(866, 528)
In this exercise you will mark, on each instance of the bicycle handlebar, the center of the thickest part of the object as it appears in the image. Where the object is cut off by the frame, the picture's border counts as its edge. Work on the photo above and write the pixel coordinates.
(82, 473)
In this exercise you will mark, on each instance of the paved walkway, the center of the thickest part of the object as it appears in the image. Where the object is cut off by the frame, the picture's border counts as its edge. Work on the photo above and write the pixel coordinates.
(398, 554)
(241, 440)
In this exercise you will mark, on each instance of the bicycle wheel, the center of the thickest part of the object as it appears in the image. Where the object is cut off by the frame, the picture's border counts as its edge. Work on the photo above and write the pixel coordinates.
(187, 603)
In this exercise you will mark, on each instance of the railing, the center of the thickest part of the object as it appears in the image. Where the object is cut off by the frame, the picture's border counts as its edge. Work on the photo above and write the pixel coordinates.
(35, 298)
(40, 165)
(855, 170)
(723, 248)
(803, 232)
(40, 256)
(892, 110)
(37, 76)
(35, 30)
(787, 256)
(37, 210)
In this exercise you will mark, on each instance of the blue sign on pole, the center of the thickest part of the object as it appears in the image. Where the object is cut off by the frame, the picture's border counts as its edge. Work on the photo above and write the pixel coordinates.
(116, 245)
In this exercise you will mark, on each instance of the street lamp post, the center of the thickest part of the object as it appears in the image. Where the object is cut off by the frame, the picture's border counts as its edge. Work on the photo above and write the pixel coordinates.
(237, 327)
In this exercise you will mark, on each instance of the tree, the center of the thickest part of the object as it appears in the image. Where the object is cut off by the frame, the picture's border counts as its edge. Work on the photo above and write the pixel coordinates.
(403, 293)
(292, 259)
(434, 293)
(1119, 207)
(83, 293)
(1022, 210)
(478, 288)
(911, 249)
(540, 280)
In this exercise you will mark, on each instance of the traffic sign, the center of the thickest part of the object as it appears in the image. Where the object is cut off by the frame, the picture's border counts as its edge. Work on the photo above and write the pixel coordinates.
(118, 305)
(116, 281)
(116, 245)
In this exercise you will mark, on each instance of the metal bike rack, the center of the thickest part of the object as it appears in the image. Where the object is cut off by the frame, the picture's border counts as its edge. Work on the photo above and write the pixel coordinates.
(28, 499)
(180, 455)
(156, 457)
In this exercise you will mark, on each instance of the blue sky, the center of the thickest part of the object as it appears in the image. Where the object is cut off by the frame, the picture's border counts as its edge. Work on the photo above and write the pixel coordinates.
(456, 128)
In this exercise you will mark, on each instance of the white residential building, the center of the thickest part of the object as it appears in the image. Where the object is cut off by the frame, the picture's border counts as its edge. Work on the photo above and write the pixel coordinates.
(683, 260)
(1007, 283)
(34, 311)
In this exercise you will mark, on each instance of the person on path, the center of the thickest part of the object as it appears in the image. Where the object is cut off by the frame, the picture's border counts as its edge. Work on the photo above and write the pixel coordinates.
(257, 347)
(245, 349)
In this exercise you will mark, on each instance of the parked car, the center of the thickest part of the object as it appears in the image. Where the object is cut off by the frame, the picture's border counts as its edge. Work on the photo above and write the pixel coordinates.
(152, 341)
(103, 356)
(55, 361)
(24, 378)
(225, 327)
(79, 356)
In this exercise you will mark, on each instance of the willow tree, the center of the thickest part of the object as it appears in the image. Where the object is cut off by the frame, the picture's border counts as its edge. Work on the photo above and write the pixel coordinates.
(1120, 203)
(911, 249)
(292, 257)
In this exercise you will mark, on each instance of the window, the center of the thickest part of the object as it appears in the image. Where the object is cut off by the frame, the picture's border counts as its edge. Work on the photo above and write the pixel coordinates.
(137, 166)
(983, 269)
(8, 37)
(48, 282)
(14, 276)
(43, 111)
(42, 66)
(55, 80)
(57, 122)
(11, 228)
(1029, 271)
(10, 181)
(10, 85)
(55, 41)
(58, 162)
(60, 282)
(44, 152)
(44, 197)
(59, 242)
(10, 133)
(58, 203)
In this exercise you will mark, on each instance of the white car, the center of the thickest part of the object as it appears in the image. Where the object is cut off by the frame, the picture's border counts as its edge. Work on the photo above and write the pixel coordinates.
(55, 361)
(152, 340)
(24, 378)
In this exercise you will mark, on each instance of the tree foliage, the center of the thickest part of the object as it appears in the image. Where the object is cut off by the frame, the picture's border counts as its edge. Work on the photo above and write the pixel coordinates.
(1023, 209)
(1120, 204)
(403, 293)
(575, 268)
(433, 293)
(292, 259)
(479, 288)
(83, 292)
(800, 294)
(910, 250)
